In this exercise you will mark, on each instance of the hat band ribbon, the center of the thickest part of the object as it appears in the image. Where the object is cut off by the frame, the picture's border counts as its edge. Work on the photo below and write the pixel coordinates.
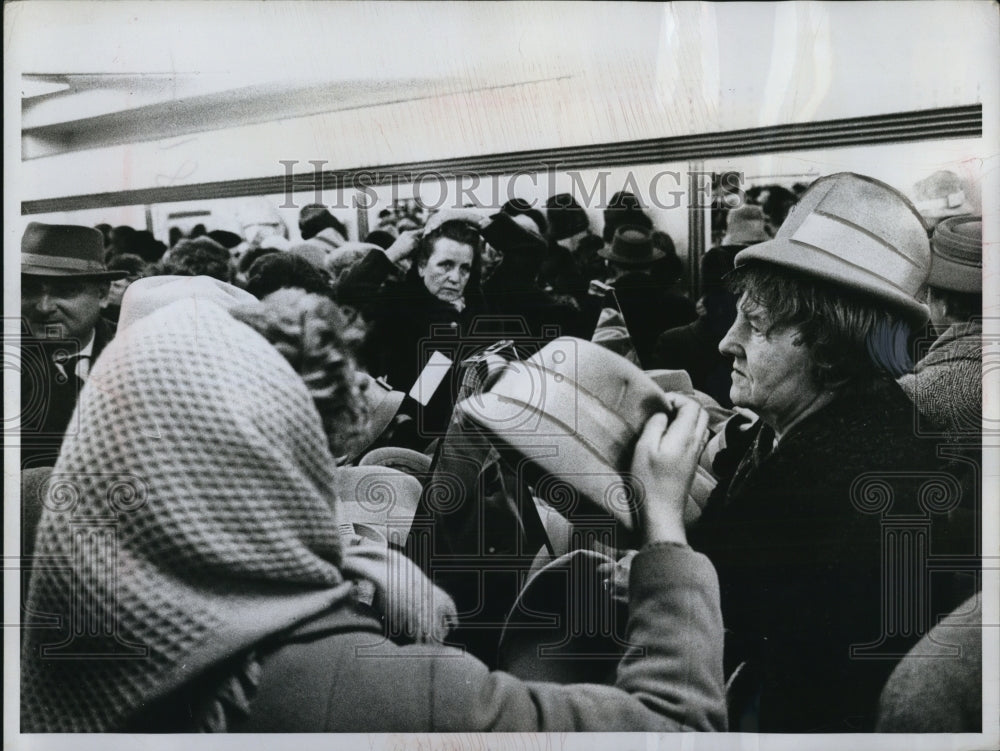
(858, 248)
(60, 262)
(586, 417)
(951, 201)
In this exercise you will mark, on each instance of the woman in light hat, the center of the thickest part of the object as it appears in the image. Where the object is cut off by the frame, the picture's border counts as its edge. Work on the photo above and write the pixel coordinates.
(206, 584)
(795, 526)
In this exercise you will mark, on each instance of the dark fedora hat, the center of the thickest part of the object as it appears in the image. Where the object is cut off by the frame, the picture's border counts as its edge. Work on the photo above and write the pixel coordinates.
(632, 246)
(507, 236)
(566, 216)
(64, 250)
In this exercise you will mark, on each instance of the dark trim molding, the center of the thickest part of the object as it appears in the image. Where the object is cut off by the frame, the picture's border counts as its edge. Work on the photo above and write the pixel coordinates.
(921, 125)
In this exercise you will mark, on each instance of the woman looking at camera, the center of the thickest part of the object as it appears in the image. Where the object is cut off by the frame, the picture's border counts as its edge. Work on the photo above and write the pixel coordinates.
(413, 314)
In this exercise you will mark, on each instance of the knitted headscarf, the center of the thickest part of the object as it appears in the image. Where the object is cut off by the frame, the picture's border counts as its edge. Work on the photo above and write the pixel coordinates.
(188, 517)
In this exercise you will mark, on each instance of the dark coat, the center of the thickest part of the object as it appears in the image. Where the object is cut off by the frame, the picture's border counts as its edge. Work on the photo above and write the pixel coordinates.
(523, 311)
(695, 348)
(48, 399)
(337, 673)
(649, 309)
(797, 538)
(407, 324)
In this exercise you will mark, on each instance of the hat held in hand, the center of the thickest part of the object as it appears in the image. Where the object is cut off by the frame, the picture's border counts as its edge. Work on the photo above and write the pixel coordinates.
(574, 410)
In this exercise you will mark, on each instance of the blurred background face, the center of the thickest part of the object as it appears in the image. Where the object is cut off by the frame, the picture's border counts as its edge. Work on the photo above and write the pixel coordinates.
(447, 271)
(62, 307)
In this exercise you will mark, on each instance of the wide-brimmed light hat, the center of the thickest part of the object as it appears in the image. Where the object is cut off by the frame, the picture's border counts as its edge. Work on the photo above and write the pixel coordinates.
(857, 232)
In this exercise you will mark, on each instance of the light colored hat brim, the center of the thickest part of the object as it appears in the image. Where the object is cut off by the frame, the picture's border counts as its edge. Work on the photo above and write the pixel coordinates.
(405, 460)
(382, 498)
(564, 478)
(814, 262)
(380, 417)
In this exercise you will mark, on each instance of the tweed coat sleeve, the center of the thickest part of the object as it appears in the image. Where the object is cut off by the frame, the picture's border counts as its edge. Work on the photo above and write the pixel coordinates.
(676, 685)
(670, 679)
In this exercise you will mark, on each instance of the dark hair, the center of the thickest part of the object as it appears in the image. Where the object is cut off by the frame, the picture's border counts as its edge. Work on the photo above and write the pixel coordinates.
(315, 217)
(851, 337)
(460, 232)
(200, 256)
(275, 271)
(175, 235)
(669, 269)
(777, 204)
(252, 254)
(520, 207)
(961, 306)
(147, 247)
(381, 238)
(129, 262)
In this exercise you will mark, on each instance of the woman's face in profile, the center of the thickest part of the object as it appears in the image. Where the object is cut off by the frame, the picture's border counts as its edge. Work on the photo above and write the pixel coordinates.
(447, 271)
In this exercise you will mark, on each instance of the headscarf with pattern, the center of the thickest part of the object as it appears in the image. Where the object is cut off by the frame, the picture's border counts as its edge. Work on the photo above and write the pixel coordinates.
(188, 517)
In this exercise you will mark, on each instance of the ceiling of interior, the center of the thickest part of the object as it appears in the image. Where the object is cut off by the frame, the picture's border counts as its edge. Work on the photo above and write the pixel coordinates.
(93, 110)
(104, 78)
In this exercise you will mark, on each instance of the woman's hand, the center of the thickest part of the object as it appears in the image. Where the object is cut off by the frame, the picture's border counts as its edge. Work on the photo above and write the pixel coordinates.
(664, 464)
(404, 245)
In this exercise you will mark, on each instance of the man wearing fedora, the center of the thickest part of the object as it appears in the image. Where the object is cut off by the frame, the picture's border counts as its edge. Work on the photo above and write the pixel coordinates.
(64, 282)
(648, 308)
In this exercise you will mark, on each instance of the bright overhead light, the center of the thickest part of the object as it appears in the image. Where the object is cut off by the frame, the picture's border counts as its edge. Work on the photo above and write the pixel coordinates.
(34, 87)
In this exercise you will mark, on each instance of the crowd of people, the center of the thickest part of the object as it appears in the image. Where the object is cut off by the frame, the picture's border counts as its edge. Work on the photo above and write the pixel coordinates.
(278, 440)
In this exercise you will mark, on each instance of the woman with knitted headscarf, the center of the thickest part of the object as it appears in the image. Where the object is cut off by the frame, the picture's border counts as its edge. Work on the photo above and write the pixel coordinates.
(204, 583)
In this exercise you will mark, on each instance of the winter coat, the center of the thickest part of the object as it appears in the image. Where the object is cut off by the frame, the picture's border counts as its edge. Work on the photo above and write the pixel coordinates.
(648, 310)
(798, 535)
(946, 385)
(48, 399)
(337, 673)
(695, 348)
(407, 324)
